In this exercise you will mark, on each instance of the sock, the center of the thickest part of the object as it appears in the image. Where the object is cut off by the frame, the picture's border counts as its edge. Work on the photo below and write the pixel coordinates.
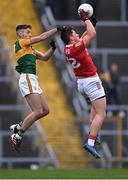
(98, 135)
(18, 136)
(21, 132)
(18, 127)
(21, 122)
(91, 140)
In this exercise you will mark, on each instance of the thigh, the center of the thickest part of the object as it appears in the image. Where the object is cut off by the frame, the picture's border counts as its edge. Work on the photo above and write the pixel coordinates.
(93, 88)
(28, 84)
(34, 101)
(92, 113)
(37, 101)
(99, 105)
(44, 103)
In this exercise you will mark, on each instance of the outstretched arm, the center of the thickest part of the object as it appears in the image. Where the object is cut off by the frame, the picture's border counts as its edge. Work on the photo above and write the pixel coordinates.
(43, 36)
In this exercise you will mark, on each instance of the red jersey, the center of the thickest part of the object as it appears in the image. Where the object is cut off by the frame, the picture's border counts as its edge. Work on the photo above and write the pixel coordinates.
(80, 60)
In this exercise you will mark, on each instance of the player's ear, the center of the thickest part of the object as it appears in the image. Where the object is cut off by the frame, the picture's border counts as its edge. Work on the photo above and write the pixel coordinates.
(20, 33)
(70, 37)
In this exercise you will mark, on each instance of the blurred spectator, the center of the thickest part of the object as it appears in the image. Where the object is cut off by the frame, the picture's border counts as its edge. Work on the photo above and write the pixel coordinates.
(105, 76)
(115, 79)
(111, 81)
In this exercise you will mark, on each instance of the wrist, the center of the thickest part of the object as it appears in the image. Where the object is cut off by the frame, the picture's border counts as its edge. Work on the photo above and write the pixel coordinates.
(86, 19)
(53, 48)
(53, 45)
(58, 29)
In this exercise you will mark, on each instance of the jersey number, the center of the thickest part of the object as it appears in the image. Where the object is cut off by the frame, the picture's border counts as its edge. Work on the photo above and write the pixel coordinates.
(74, 63)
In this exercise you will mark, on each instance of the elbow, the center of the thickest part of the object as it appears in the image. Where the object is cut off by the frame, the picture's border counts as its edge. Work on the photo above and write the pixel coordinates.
(94, 34)
(45, 58)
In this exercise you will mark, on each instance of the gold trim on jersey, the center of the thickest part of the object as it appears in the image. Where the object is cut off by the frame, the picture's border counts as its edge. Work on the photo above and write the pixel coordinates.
(26, 48)
(23, 52)
(29, 83)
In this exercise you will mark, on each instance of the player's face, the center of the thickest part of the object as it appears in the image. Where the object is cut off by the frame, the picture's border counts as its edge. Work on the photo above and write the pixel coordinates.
(25, 33)
(75, 36)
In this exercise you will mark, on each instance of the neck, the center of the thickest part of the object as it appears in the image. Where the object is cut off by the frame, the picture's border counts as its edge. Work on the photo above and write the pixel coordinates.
(72, 42)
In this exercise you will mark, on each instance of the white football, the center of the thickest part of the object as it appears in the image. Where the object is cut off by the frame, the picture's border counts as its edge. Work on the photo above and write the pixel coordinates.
(86, 8)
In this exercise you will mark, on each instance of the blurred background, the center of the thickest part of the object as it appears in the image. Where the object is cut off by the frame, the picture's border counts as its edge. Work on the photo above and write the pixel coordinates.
(56, 141)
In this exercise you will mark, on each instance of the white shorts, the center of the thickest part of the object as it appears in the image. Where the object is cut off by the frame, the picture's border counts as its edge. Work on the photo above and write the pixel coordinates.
(91, 87)
(28, 84)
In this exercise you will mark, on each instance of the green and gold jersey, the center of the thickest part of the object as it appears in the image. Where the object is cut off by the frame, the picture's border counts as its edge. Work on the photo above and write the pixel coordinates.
(25, 56)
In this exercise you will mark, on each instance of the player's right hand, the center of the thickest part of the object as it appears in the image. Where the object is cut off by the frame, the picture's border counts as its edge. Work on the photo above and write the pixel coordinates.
(83, 15)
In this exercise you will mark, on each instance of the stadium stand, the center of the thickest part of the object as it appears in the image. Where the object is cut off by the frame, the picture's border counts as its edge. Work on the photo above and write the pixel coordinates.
(60, 127)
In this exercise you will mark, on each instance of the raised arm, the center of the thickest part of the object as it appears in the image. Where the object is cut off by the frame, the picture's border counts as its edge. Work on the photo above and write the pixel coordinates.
(90, 32)
(43, 36)
(84, 34)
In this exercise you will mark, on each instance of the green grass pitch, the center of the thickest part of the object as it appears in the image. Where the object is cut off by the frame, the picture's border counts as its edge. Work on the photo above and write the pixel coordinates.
(64, 174)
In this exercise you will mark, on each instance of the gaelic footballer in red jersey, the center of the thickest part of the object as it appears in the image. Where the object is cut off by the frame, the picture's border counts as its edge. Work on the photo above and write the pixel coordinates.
(80, 60)
(88, 81)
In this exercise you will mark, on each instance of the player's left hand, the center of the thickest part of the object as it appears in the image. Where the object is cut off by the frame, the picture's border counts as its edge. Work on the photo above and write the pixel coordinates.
(61, 28)
(53, 44)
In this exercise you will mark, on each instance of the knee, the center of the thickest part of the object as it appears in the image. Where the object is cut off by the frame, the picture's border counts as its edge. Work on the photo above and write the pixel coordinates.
(103, 115)
(45, 111)
(42, 112)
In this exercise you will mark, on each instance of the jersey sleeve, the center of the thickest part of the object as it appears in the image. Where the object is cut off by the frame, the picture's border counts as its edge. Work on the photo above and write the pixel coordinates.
(25, 42)
(78, 48)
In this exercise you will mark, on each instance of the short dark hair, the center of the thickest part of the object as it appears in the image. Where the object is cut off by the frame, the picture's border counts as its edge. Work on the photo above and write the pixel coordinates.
(23, 26)
(65, 34)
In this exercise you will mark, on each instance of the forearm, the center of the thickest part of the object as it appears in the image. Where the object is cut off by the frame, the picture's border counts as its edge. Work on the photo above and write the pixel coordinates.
(90, 28)
(48, 34)
(45, 56)
(48, 54)
(43, 36)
